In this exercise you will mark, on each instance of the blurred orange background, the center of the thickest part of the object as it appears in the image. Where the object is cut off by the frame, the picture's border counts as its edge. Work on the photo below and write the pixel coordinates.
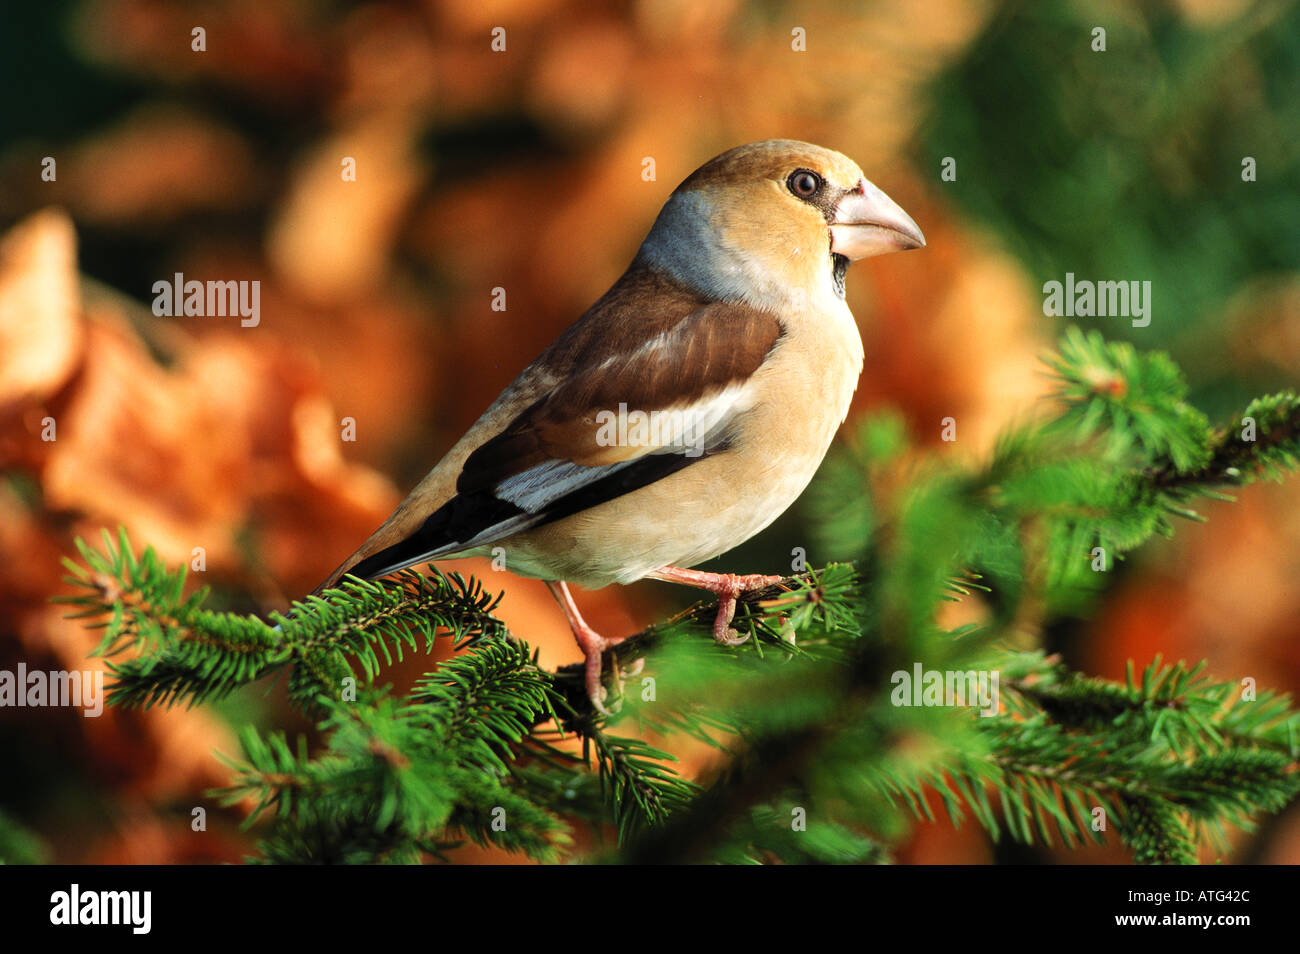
(476, 170)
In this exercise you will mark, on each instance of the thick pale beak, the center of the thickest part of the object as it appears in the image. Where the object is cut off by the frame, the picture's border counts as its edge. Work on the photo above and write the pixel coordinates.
(868, 222)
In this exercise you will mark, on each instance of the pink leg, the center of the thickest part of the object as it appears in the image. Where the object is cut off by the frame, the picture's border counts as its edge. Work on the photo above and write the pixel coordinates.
(727, 586)
(592, 644)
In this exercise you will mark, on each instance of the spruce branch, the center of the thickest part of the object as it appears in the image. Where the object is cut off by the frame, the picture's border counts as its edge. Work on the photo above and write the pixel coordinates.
(1132, 402)
(187, 653)
(643, 793)
(818, 760)
(1156, 833)
(1263, 442)
(400, 774)
(1177, 705)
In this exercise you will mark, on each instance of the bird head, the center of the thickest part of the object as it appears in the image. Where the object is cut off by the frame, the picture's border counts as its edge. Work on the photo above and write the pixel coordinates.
(773, 222)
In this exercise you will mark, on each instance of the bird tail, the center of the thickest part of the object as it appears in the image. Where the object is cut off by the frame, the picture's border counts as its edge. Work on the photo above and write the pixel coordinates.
(386, 561)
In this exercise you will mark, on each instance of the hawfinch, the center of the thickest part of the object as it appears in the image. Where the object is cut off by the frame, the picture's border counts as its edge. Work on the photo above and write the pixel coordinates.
(684, 411)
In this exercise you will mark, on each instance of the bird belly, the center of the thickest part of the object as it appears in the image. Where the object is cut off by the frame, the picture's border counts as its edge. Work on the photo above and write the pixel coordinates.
(802, 395)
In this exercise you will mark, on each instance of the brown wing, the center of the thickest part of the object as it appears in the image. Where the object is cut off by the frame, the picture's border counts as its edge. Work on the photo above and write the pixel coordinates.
(648, 346)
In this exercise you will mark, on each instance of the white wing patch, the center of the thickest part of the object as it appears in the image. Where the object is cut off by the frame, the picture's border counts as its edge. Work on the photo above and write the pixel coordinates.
(687, 429)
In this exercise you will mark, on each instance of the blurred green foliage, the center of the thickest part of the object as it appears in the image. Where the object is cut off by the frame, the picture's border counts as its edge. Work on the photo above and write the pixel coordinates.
(1127, 164)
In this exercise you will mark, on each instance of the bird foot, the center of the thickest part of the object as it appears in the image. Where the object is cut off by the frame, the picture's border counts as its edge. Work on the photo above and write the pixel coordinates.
(593, 646)
(728, 587)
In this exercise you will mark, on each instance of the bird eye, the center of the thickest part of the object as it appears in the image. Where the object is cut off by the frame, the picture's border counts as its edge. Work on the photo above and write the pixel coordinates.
(803, 183)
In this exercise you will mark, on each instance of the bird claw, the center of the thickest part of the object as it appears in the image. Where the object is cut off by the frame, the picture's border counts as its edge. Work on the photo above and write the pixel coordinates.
(729, 590)
(731, 637)
(593, 646)
(621, 675)
(593, 650)
(727, 586)
(596, 691)
(598, 702)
